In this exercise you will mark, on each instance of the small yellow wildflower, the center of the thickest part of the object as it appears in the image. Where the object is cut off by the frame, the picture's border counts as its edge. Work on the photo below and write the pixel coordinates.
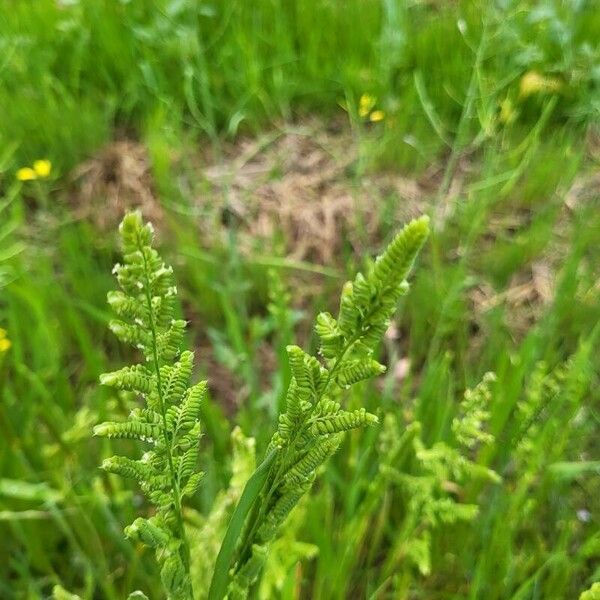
(376, 116)
(5, 343)
(26, 174)
(42, 167)
(366, 104)
(533, 82)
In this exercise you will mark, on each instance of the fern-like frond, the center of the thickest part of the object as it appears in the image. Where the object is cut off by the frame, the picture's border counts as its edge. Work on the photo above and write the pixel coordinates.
(318, 453)
(192, 484)
(306, 371)
(312, 426)
(394, 265)
(239, 587)
(429, 479)
(169, 420)
(367, 303)
(175, 577)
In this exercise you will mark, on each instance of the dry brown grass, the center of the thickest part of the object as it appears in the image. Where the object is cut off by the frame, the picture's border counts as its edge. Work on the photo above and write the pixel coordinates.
(117, 179)
(295, 194)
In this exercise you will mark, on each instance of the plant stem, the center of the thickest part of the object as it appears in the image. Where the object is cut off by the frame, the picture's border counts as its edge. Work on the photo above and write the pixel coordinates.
(176, 492)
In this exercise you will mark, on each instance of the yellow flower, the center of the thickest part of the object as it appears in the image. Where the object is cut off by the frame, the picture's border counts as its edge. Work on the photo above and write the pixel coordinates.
(366, 104)
(377, 115)
(26, 174)
(42, 167)
(533, 82)
(5, 343)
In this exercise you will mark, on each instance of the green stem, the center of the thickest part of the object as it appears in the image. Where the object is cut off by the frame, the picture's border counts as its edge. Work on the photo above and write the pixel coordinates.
(167, 441)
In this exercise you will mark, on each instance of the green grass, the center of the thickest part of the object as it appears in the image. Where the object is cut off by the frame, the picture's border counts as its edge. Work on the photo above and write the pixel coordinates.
(187, 78)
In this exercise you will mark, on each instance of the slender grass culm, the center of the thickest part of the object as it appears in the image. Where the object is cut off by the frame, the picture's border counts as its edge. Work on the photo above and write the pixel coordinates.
(309, 431)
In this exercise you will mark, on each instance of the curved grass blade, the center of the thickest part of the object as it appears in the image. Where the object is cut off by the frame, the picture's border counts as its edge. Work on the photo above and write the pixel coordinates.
(218, 585)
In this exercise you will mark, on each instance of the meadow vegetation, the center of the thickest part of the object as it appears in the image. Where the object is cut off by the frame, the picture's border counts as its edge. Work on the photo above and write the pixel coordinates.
(278, 147)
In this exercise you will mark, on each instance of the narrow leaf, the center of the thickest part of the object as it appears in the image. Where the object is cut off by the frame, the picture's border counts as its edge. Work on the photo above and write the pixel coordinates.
(220, 579)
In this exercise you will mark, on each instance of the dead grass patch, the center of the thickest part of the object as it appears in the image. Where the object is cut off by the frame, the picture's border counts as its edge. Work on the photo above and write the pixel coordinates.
(295, 193)
(117, 179)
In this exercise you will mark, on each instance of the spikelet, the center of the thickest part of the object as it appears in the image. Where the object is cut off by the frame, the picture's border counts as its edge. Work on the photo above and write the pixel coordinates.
(190, 408)
(136, 378)
(148, 531)
(343, 421)
(309, 463)
(357, 370)
(129, 429)
(393, 266)
(125, 467)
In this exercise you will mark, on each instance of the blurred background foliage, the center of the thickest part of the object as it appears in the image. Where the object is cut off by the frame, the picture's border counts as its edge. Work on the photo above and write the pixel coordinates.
(277, 146)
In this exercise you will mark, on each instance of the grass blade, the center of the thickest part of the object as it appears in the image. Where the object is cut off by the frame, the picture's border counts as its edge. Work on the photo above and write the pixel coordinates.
(218, 585)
